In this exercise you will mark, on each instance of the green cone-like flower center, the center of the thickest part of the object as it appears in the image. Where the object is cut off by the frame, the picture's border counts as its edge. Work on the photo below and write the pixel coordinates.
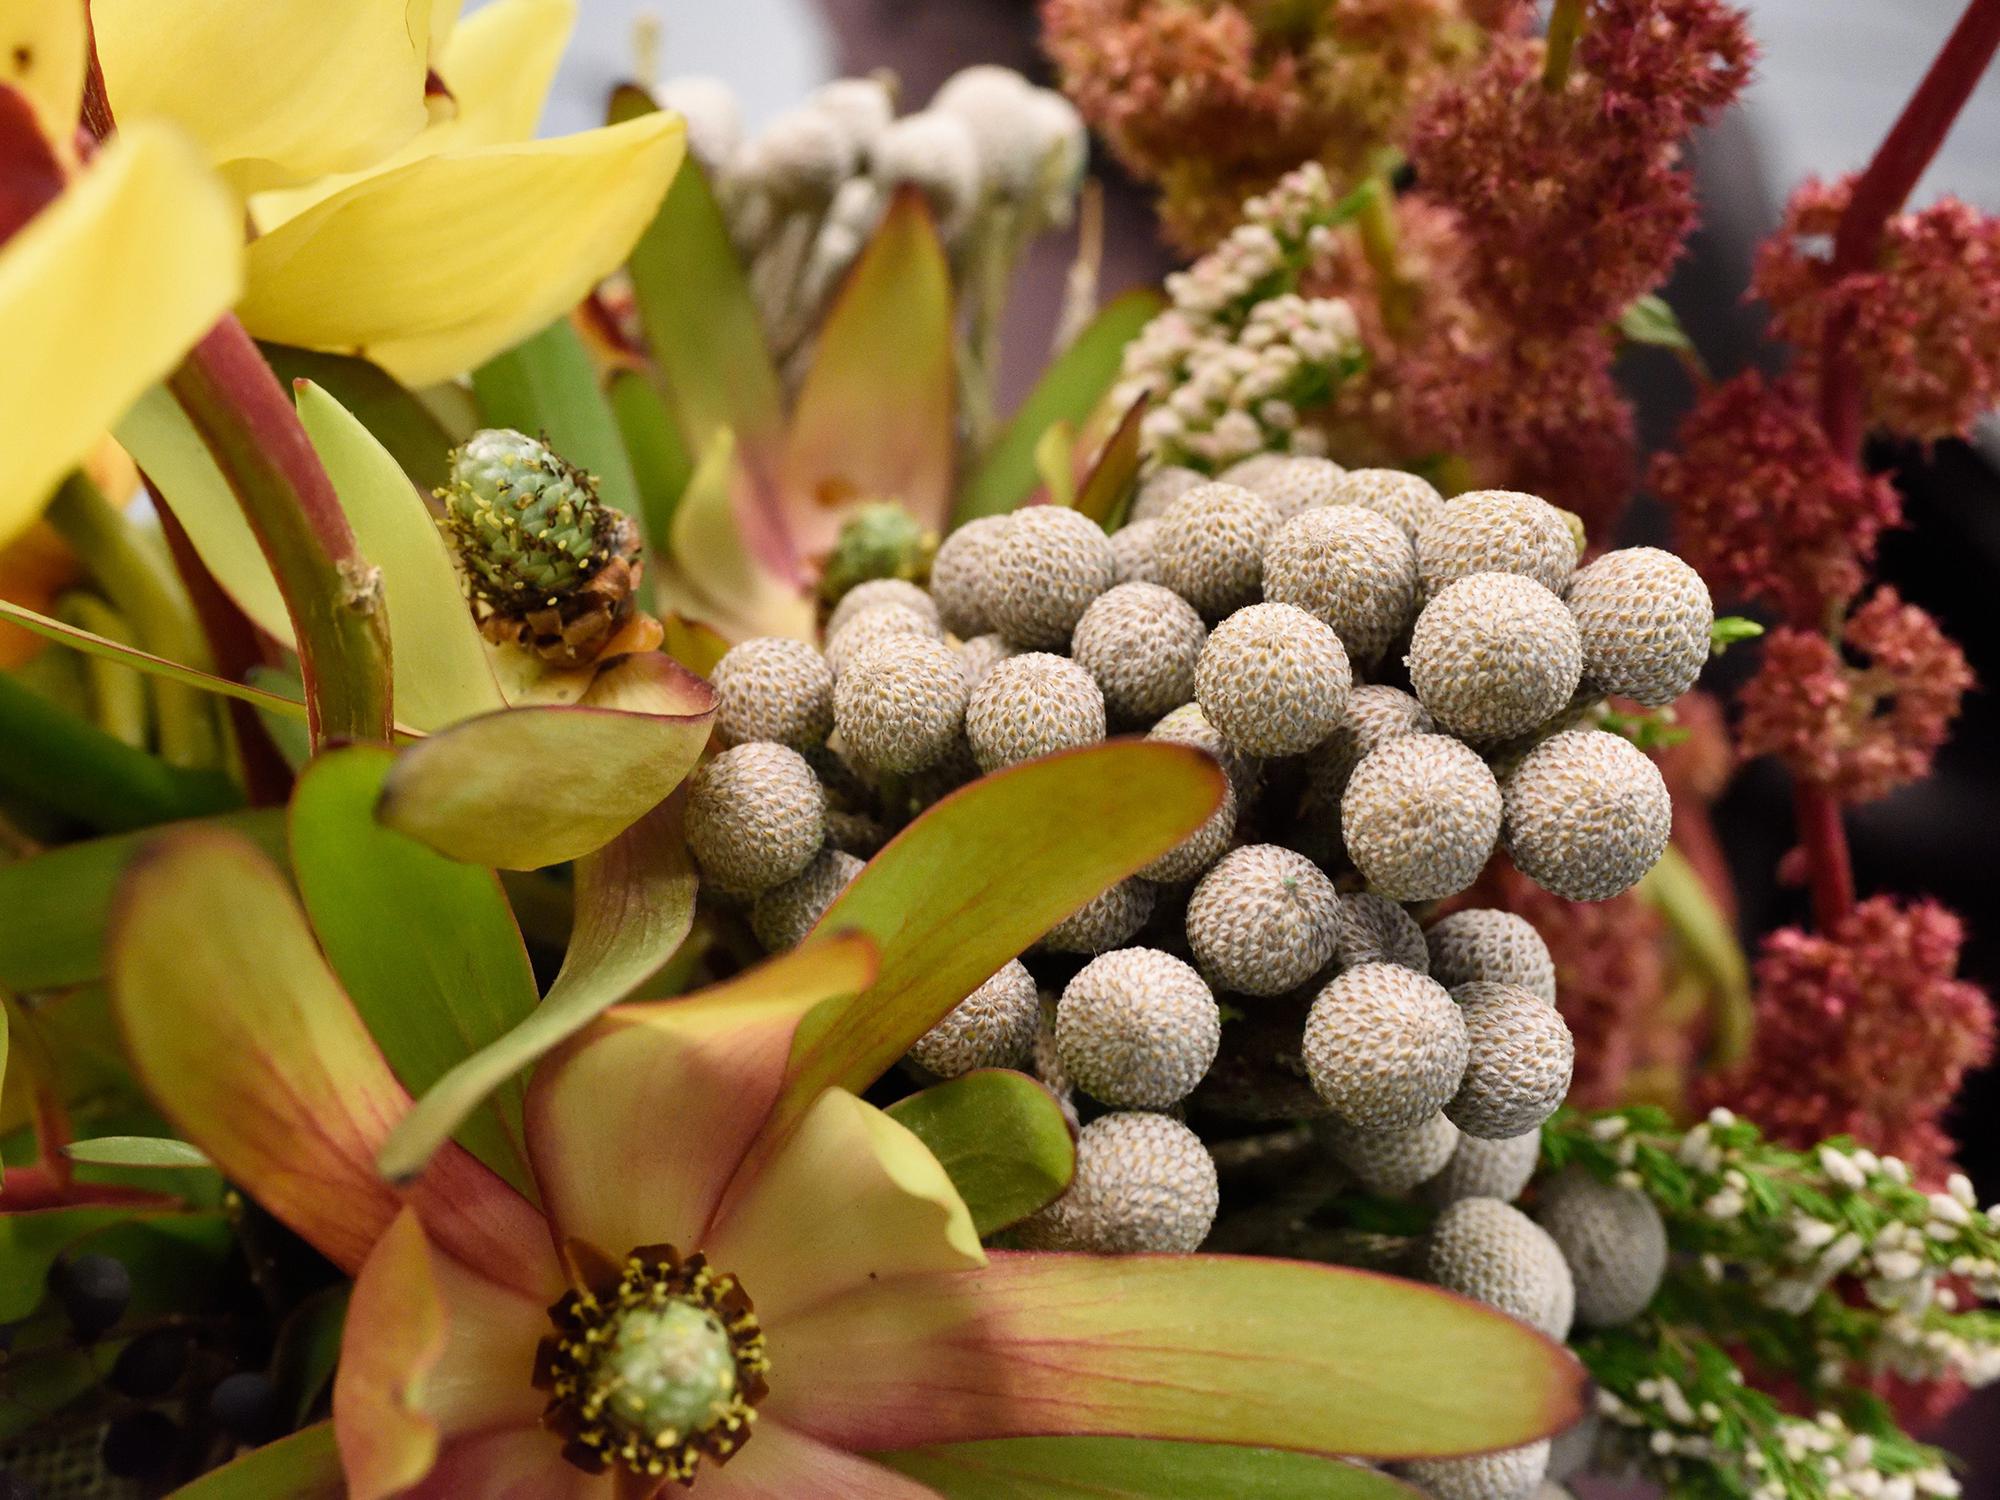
(666, 1370)
(526, 524)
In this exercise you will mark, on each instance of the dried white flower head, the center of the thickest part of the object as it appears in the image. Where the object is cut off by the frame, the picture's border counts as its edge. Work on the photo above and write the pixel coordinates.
(863, 108)
(786, 913)
(1514, 1474)
(1348, 567)
(1407, 499)
(1420, 816)
(1645, 618)
(1293, 483)
(1587, 814)
(1263, 920)
(1518, 1065)
(1137, 1029)
(714, 119)
(1374, 930)
(899, 704)
(993, 1027)
(1385, 1047)
(1493, 1253)
(860, 631)
(1044, 570)
(1133, 555)
(1105, 922)
(935, 153)
(1486, 1169)
(1376, 714)
(1487, 944)
(1144, 1183)
(1032, 705)
(1273, 680)
(1140, 642)
(1210, 547)
(1493, 655)
(800, 159)
(756, 815)
(1613, 1239)
(773, 688)
(960, 575)
(1393, 1161)
(1160, 489)
(1496, 531)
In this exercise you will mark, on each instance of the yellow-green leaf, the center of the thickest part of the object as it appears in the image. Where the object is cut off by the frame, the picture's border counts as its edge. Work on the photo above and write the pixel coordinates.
(661, 466)
(710, 572)
(304, 1466)
(400, 421)
(1001, 1138)
(1115, 1468)
(162, 1153)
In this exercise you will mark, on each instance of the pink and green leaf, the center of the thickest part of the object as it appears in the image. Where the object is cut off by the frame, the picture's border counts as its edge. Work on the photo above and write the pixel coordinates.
(710, 572)
(1106, 492)
(1116, 1468)
(1001, 1138)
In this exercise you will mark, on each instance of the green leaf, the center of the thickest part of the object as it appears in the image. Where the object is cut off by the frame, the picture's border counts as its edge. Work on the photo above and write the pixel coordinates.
(308, 1348)
(38, 1387)
(873, 420)
(304, 1466)
(976, 880)
(440, 668)
(426, 947)
(1107, 493)
(153, 1152)
(1650, 320)
(1055, 463)
(54, 906)
(1706, 936)
(398, 419)
(1000, 1137)
(547, 386)
(1089, 1468)
(658, 453)
(1730, 629)
(528, 787)
(708, 571)
(172, 1254)
(634, 905)
(1068, 391)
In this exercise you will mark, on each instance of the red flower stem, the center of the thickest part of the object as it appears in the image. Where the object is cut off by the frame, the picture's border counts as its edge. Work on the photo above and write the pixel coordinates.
(1823, 837)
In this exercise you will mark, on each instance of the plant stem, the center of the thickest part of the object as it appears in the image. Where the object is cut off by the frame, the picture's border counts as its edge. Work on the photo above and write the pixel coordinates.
(333, 596)
(1565, 26)
(1375, 220)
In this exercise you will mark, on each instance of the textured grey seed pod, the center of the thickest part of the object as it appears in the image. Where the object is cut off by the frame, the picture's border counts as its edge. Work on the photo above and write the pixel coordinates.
(1273, 680)
(1140, 642)
(1106, 922)
(1486, 1169)
(1160, 489)
(1587, 814)
(1384, 1047)
(875, 593)
(1262, 920)
(1376, 714)
(899, 704)
(1032, 705)
(959, 575)
(1188, 725)
(1373, 929)
(776, 689)
(872, 626)
(1295, 484)
(1349, 568)
(1133, 558)
(1046, 567)
(856, 833)
(1210, 547)
(1645, 618)
(786, 913)
(1495, 531)
(1407, 499)
(980, 655)
(1493, 1253)
(1612, 1238)
(1420, 816)
(1483, 943)
(756, 815)
(1247, 472)
(1515, 1474)
(1137, 1029)
(1144, 1183)
(993, 1027)
(1574, 1452)
(1494, 655)
(1518, 1068)
(1393, 1161)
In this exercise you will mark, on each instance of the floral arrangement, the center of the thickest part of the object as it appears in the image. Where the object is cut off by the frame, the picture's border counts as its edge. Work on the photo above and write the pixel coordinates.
(630, 886)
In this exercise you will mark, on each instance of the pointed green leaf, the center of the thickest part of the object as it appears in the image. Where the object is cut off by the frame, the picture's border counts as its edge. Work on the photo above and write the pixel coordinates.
(304, 1466)
(1114, 1468)
(399, 420)
(658, 452)
(547, 386)
(1001, 1138)
(1730, 629)
(1651, 320)
(147, 1151)
(1107, 493)
(1055, 463)
(308, 1348)
(426, 947)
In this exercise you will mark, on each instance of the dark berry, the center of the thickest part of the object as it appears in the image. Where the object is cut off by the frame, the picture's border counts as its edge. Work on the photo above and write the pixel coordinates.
(140, 1444)
(151, 1364)
(14, 1487)
(245, 1405)
(94, 1291)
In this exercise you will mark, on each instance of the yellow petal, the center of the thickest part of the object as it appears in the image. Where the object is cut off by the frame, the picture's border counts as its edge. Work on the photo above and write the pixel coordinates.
(431, 268)
(100, 295)
(276, 91)
(879, 1205)
(41, 54)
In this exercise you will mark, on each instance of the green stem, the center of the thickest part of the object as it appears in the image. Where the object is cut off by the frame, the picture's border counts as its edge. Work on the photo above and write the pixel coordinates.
(1565, 26)
(117, 693)
(1376, 220)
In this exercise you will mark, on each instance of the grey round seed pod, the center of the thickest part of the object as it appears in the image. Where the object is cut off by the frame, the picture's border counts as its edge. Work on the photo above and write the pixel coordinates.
(1493, 1253)
(786, 913)
(899, 704)
(1376, 714)
(1373, 929)
(1393, 1161)
(1482, 943)
(756, 816)
(1159, 490)
(1188, 725)
(1137, 1029)
(1140, 642)
(1518, 1067)
(775, 689)
(1407, 499)
(1349, 568)
(1247, 472)
(993, 1027)
(960, 574)
(1210, 547)
(861, 631)
(1295, 484)
(1032, 705)
(1587, 814)
(1384, 1047)
(1046, 567)
(875, 593)
(980, 655)
(1574, 1452)
(1494, 655)
(1486, 1169)
(857, 833)
(1420, 816)
(1263, 920)
(1133, 555)
(1144, 1183)
(1612, 1238)
(1515, 1474)
(1106, 922)
(1645, 617)
(1495, 531)
(1273, 679)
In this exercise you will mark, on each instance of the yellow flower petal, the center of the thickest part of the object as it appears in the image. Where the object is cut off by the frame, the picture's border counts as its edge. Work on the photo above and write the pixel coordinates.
(100, 295)
(41, 53)
(276, 91)
(434, 267)
(879, 1205)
